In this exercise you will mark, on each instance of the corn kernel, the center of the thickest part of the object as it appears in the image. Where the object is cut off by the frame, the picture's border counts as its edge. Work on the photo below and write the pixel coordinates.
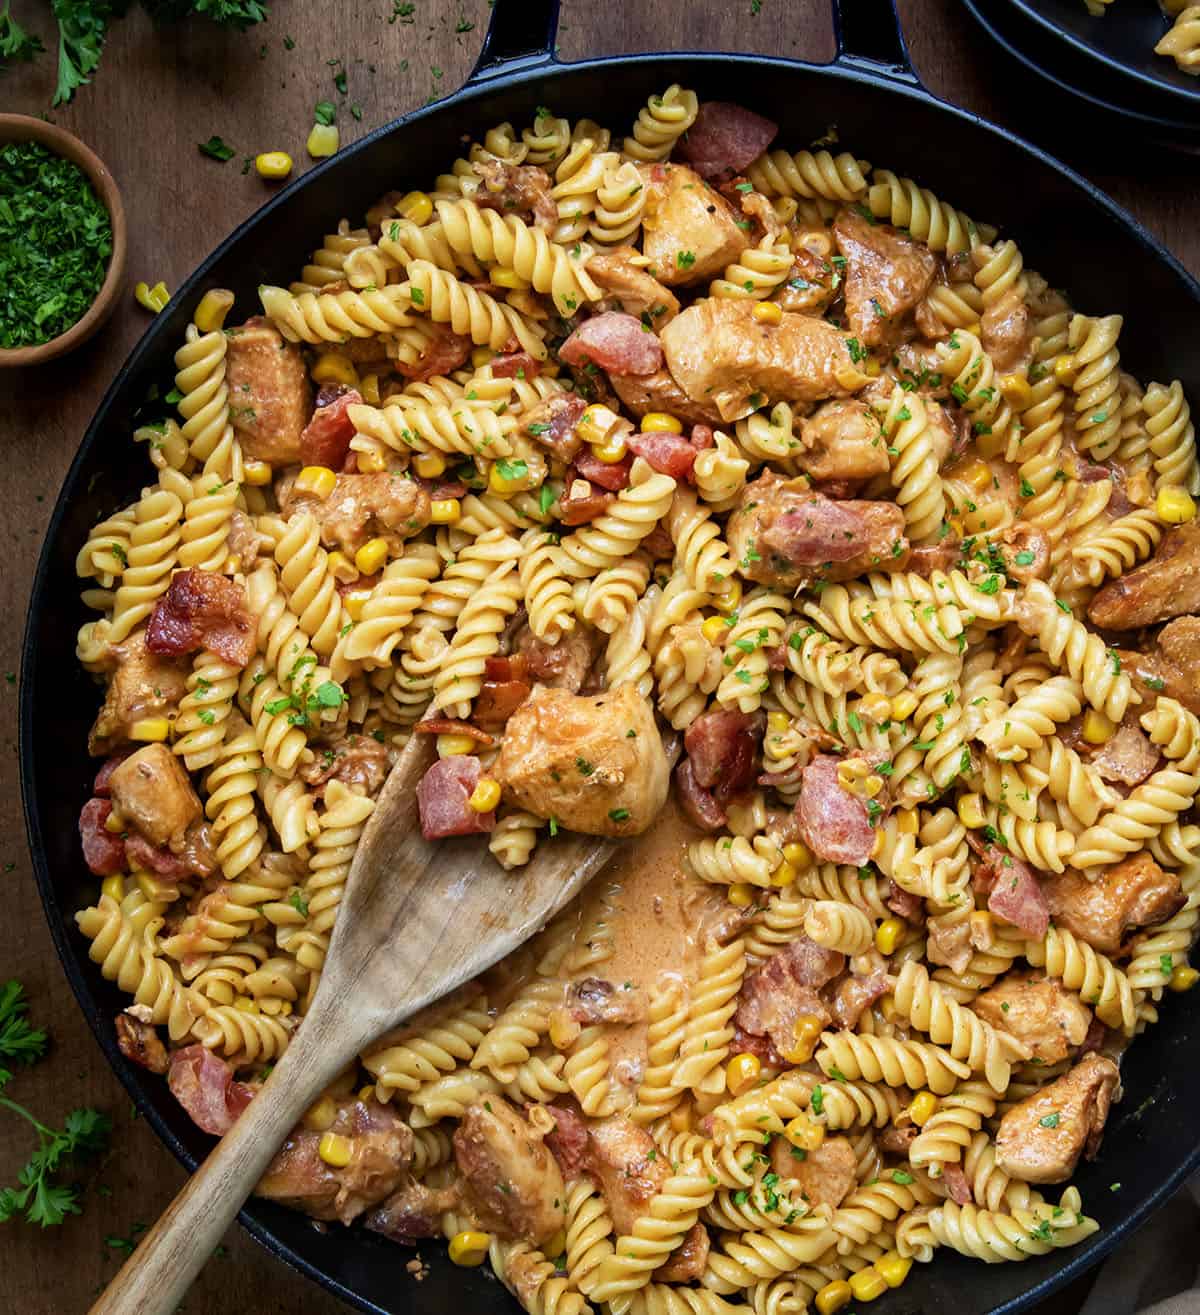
(368, 386)
(887, 935)
(150, 730)
(730, 599)
(741, 894)
(867, 1284)
(334, 368)
(741, 1072)
(904, 705)
(714, 630)
(833, 1296)
(611, 452)
(481, 356)
(804, 1132)
(1065, 368)
(320, 481)
(113, 887)
(660, 422)
(976, 473)
(214, 306)
(153, 298)
(970, 811)
(876, 708)
(320, 1115)
(1097, 728)
(371, 556)
(777, 722)
(1183, 978)
(887, 1007)
(445, 511)
(273, 165)
(114, 823)
(893, 1268)
(681, 1117)
(908, 821)
(564, 1030)
(469, 1248)
(797, 854)
(806, 1032)
(485, 796)
(504, 277)
(354, 600)
(508, 477)
(1016, 390)
(335, 1149)
(454, 746)
(767, 312)
(415, 206)
(429, 465)
(784, 874)
(923, 1108)
(373, 462)
(256, 473)
(246, 1005)
(1174, 505)
(323, 140)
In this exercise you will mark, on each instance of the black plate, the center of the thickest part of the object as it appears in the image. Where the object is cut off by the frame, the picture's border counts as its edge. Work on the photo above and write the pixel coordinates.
(1101, 255)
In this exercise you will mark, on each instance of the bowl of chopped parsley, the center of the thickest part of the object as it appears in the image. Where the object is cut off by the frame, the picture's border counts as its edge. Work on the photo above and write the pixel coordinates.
(62, 241)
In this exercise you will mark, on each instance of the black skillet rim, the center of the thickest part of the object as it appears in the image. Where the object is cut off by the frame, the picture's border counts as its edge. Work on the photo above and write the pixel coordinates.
(895, 75)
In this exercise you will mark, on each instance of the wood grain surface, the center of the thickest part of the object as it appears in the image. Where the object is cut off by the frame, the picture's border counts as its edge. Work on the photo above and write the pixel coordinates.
(157, 95)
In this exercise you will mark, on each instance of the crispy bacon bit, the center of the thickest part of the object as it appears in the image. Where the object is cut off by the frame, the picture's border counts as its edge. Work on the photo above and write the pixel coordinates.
(138, 1042)
(441, 489)
(197, 860)
(1013, 892)
(552, 424)
(956, 1184)
(784, 988)
(834, 823)
(325, 440)
(103, 852)
(699, 804)
(515, 365)
(497, 700)
(905, 904)
(203, 1084)
(202, 609)
(721, 747)
(442, 799)
(580, 510)
(451, 726)
(725, 139)
(616, 342)
(1127, 756)
(446, 352)
(856, 994)
(613, 477)
(669, 454)
(568, 1143)
(702, 437)
(594, 1000)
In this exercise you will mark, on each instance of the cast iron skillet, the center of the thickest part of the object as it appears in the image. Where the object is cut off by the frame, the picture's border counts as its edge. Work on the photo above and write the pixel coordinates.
(870, 92)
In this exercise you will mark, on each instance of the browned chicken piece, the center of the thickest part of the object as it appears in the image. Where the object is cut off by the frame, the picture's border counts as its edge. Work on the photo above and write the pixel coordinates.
(552, 423)
(1128, 756)
(1006, 332)
(1041, 1138)
(1133, 893)
(414, 1212)
(949, 942)
(389, 506)
(785, 534)
(593, 1000)
(141, 685)
(719, 352)
(688, 1260)
(138, 1042)
(689, 230)
(631, 289)
(643, 393)
(381, 1149)
(511, 1182)
(1036, 1010)
(564, 665)
(244, 541)
(594, 762)
(813, 278)
(626, 1164)
(843, 440)
(152, 792)
(358, 761)
(1026, 553)
(1172, 664)
(269, 398)
(887, 275)
(825, 1176)
(520, 189)
(1167, 585)
(367, 351)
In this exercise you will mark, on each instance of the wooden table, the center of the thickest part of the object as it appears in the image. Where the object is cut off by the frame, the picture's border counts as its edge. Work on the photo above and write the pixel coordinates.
(157, 95)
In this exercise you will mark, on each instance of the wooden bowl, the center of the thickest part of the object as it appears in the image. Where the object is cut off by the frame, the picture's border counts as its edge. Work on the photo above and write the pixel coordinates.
(20, 127)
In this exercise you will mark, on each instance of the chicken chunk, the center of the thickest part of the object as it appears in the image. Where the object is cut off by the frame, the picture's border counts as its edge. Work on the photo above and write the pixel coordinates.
(414, 1211)
(688, 1260)
(787, 535)
(887, 276)
(381, 1150)
(1006, 332)
(1167, 585)
(1133, 893)
(825, 1176)
(358, 761)
(511, 1182)
(843, 440)
(138, 1041)
(595, 762)
(631, 289)
(641, 394)
(151, 790)
(564, 665)
(1041, 1138)
(269, 396)
(1049, 1019)
(812, 280)
(689, 230)
(626, 1164)
(388, 505)
(1171, 665)
(719, 352)
(142, 685)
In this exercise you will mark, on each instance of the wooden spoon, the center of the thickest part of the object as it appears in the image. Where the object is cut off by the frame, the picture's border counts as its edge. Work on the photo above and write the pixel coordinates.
(416, 920)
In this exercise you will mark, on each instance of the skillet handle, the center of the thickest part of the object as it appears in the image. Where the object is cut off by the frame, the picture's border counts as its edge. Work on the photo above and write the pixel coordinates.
(869, 37)
(520, 35)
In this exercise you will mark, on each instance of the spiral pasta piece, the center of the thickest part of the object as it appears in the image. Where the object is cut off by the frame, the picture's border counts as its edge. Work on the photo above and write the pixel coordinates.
(660, 124)
(480, 317)
(308, 583)
(205, 709)
(701, 550)
(1096, 384)
(899, 1063)
(330, 262)
(514, 838)
(757, 272)
(613, 595)
(946, 1136)
(740, 1262)
(589, 1233)
(863, 1214)
(617, 533)
(476, 638)
(657, 1095)
(1172, 436)
(839, 927)
(726, 860)
(620, 202)
(914, 465)
(710, 1011)
(150, 559)
(204, 405)
(991, 1237)
(543, 576)
(1092, 975)
(1117, 547)
(388, 612)
(901, 202)
(809, 174)
(336, 316)
(1033, 718)
(758, 629)
(974, 386)
(769, 436)
(441, 1046)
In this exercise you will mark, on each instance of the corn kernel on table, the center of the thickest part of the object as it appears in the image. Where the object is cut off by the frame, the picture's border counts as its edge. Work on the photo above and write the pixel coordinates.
(158, 94)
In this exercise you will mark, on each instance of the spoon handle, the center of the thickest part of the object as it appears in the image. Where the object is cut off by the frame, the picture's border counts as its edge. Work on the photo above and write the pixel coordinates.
(156, 1276)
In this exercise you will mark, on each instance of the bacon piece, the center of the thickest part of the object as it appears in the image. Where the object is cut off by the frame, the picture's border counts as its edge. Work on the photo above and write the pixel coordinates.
(515, 365)
(100, 786)
(956, 1184)
(552, 424)
(721, 747)
(702, 437)
(446, 352)
(442, 799)
(725, 139)
(568, 1143)
(203, 1084)
(595, 1000)
(441, 489)
(833, 822)
(905, 904)
(202, 609)
(784, 988)
(138, 1042)
(616, 342)
(699, 804)
(103, 852)
(497, 700)
(156, 858)
(563, 665)
(325, 440)
(613, 477)
(581, 510)
(856, 994)
(896, 1141)
(516, 189)
(514, 666)
(452, 726)
(669, 454)
(1013, 892)
(1127, 756)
